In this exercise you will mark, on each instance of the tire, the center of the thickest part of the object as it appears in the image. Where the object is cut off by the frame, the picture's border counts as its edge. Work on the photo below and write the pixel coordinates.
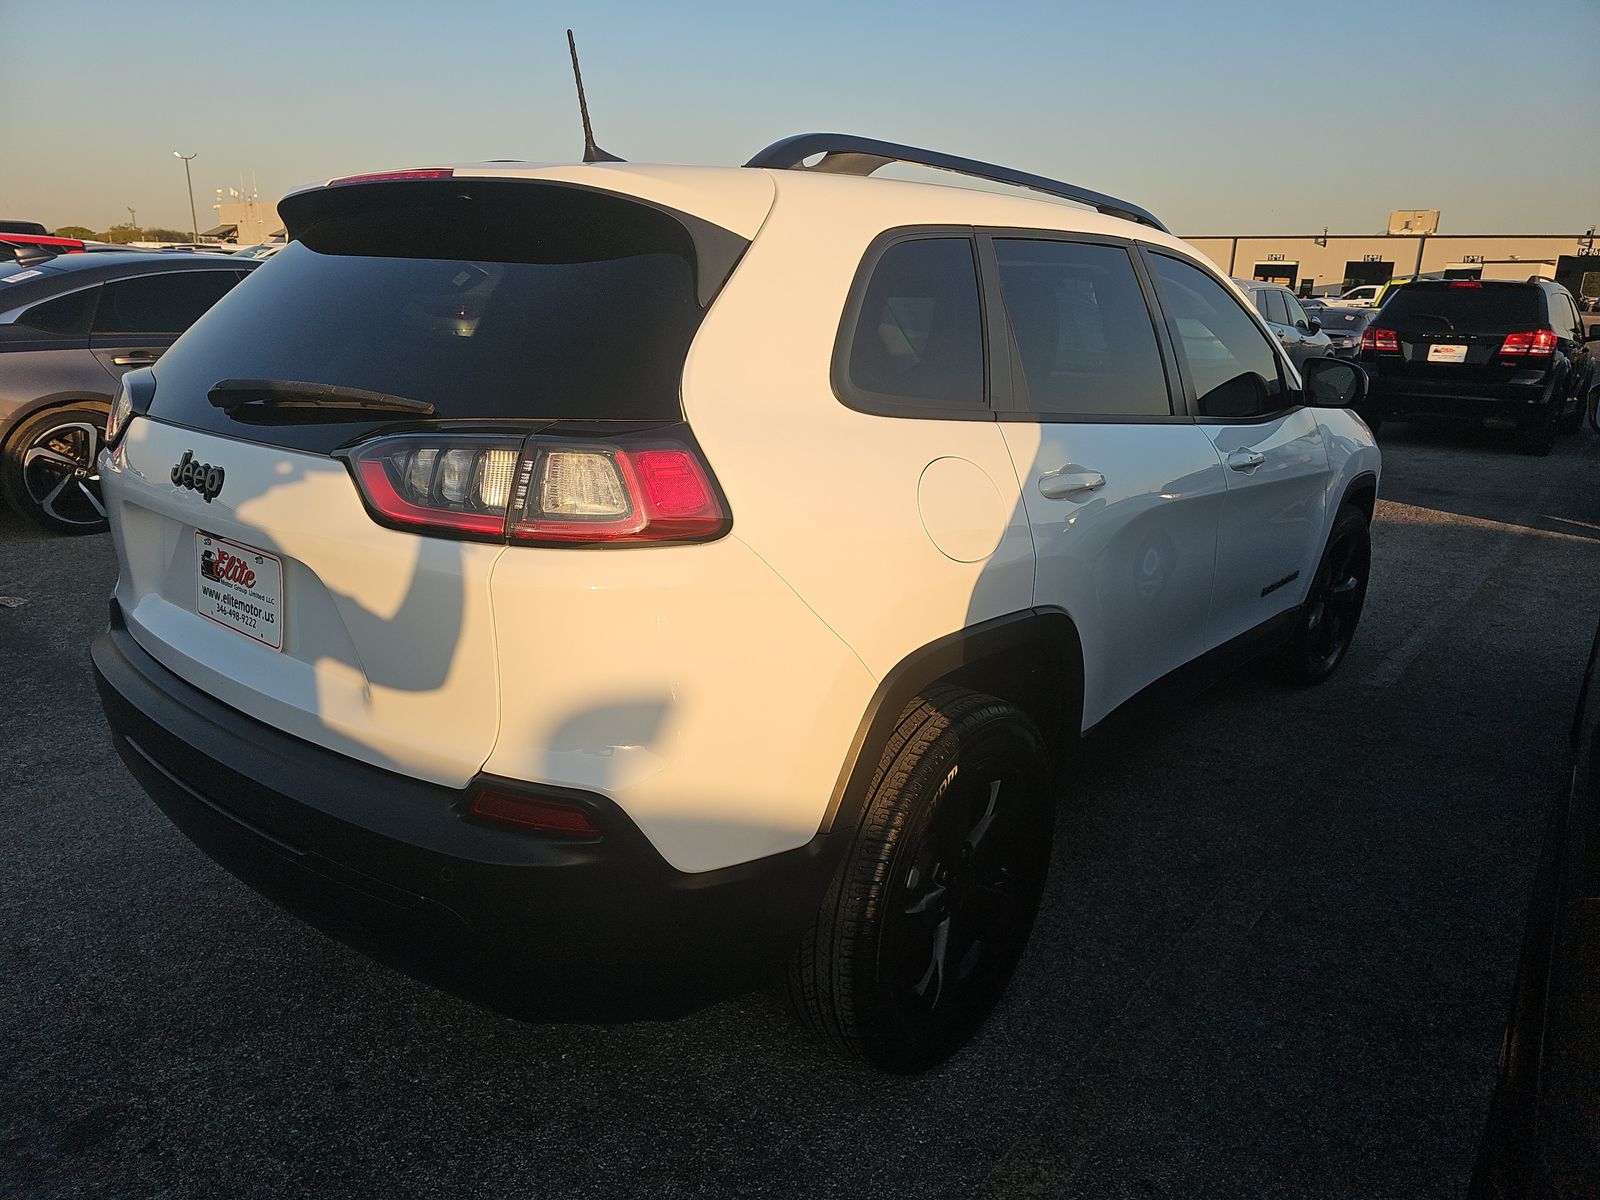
(1572, 422)
(1333, 604)
(1538, 436)
(48, 469)
(928, 914)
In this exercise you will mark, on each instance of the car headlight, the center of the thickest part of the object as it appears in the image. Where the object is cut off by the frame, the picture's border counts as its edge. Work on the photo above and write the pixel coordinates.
(121, 412)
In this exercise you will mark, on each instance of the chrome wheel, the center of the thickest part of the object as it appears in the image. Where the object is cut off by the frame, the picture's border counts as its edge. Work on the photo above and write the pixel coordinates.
(61, 474)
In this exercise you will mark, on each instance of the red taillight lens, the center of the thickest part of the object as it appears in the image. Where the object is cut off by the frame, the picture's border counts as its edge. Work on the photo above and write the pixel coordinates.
(1466, 283)
(540, 491)
(386, 176)
(533, 813)
(598, 492)
(1533, 344)
(1383, 341)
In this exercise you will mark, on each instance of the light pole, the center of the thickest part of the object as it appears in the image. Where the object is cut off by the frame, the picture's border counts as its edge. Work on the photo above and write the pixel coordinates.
(194, 222)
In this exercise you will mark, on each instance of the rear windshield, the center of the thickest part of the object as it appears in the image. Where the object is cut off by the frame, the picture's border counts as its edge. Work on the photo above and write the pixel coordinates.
(1341, 320)
(1487, 308)
(487, 301)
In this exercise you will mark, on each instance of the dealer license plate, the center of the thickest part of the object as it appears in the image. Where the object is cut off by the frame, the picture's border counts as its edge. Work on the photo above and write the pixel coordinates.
(1443, 353)
(240, 587)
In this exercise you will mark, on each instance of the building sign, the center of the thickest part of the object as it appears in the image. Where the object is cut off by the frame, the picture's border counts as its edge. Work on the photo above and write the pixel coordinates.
(1413, 221)
(1274, 258)
(1472, 258)
(1372, 258)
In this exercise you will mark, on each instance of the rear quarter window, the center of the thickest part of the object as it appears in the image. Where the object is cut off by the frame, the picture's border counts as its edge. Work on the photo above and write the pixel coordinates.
(914, 338)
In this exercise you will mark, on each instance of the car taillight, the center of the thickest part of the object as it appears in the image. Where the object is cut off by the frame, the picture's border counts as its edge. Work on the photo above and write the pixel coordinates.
(1384, 341)
(117, 418)
(1465, 283)
(1532, 344)
(542, 491)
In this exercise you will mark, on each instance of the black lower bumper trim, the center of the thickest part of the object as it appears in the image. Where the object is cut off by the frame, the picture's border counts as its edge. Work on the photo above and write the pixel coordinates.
(544, 929)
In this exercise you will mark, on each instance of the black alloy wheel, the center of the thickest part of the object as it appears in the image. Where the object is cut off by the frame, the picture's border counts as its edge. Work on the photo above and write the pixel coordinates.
(1333, 603)
(51, 470)
(928, 915)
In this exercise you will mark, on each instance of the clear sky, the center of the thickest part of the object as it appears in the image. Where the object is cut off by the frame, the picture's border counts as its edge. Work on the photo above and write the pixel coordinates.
(1221, 116)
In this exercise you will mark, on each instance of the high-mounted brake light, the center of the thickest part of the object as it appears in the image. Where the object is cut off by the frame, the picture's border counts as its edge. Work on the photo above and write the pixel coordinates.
(1382, 341)
(1471, 283)
(548, 491)
(387, 176)
(1533, 344)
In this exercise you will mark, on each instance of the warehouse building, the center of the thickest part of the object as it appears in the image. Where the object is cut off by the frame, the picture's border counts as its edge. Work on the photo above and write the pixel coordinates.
(1327, 264)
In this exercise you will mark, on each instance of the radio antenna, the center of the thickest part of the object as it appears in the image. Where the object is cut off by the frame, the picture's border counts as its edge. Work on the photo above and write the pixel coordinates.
(591, 152)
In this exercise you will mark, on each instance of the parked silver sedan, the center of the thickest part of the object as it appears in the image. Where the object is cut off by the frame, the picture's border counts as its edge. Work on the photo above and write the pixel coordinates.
(1300, 336)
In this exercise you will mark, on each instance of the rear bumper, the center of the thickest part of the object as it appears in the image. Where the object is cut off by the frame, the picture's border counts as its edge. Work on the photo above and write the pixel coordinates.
(1516, 400)
(536, 927)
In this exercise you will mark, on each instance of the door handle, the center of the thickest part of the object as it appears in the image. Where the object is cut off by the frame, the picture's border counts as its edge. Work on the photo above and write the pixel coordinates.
(139, 358)
(1246, 460)
(1068, 481)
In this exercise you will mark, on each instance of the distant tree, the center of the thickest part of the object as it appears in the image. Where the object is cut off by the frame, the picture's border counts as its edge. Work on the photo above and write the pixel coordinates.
(81, 232)
(123, 234)
(167, 235)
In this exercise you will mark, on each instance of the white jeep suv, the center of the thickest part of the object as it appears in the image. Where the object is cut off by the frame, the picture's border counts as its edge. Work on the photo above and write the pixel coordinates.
(598, 589)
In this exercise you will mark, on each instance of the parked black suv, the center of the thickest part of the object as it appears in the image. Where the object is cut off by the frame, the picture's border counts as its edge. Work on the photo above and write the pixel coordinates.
(1480, 349)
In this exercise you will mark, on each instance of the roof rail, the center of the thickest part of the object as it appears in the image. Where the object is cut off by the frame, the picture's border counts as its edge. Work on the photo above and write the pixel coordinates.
(846, 154)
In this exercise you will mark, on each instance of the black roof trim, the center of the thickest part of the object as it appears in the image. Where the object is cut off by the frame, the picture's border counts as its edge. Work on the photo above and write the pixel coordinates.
(847, 154)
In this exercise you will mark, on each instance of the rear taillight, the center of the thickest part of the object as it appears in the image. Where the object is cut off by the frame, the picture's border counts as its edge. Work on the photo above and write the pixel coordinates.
(1466, 283)
(117, 418)
(1533, 344)
(1383, 341)
(542, 491)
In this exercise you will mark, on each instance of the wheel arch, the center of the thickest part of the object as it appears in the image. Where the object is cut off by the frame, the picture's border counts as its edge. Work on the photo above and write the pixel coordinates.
(26, 411)
(1032, 658)
(1362, 491)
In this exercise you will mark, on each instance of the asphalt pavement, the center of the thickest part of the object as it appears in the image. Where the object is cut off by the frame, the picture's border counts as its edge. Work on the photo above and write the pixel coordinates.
(1274, 959)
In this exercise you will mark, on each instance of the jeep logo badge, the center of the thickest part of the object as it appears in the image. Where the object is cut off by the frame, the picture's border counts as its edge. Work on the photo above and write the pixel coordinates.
(197, 476)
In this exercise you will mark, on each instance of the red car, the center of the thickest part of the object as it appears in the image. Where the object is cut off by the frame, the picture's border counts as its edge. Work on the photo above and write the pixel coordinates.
(11, 243)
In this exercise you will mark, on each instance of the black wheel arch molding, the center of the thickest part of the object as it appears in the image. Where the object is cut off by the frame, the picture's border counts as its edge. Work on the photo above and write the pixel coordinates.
(1032, 658)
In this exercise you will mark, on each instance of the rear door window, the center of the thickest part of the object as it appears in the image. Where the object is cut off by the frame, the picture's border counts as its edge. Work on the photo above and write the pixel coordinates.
(917, 339)
(1272, 306)
(1231, 364)
(1082, 329)
(160, 304)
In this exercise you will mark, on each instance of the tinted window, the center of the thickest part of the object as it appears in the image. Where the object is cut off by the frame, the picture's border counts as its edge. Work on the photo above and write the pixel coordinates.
(1230, 361)
(1297, 315)
(1273, 307)
(69, 314)
(1082, 329)
(167, 303)
(1484, 308)
(918, 335)
(491, 301)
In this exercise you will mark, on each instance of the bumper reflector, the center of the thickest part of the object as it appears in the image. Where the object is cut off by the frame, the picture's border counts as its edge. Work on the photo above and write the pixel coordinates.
(532, 813)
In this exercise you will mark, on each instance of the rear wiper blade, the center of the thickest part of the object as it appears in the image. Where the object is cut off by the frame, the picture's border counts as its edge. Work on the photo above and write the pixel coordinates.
(1445, 321)
(288, 393)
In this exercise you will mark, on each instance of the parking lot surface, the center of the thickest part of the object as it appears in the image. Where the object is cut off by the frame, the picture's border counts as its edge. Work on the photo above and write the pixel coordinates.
(1274, 959)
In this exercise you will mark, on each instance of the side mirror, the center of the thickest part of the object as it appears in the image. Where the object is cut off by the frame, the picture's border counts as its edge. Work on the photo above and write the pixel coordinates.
(1333, 383)
(1313, 325)
(1593, 334)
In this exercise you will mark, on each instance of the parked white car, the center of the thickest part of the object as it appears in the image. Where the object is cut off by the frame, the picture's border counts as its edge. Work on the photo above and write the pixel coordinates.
(597, 589)
(1364, 296)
